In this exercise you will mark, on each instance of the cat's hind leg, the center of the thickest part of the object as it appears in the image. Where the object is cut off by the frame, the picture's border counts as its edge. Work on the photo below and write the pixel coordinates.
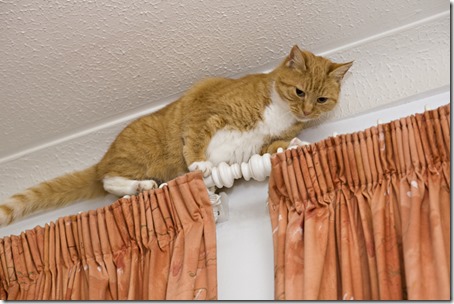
(121, 186)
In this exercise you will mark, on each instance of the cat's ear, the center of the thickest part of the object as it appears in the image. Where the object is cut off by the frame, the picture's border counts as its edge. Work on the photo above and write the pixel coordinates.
(295, 59)
(338, 70)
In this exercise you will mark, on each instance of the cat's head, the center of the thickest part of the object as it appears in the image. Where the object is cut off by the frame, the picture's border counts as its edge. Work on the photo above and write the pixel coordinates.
(309, 84)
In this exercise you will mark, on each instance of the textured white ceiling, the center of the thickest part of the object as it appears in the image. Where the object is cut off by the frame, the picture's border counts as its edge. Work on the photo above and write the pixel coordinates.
(69, 65)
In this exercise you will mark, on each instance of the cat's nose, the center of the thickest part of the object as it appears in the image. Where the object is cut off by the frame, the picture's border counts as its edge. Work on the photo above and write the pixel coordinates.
(307, 112)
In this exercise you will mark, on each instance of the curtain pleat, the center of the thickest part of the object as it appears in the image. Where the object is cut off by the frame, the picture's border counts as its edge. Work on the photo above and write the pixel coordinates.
(365, 215)
(160, 244)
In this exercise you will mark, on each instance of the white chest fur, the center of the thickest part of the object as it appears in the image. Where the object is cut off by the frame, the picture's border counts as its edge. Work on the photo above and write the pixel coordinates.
(233, 146)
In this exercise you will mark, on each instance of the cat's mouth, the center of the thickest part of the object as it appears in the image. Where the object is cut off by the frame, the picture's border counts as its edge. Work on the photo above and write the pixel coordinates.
(303, 118)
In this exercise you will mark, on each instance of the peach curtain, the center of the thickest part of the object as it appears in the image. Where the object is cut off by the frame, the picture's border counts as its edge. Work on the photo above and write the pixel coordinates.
(365, 215)
(160, 244)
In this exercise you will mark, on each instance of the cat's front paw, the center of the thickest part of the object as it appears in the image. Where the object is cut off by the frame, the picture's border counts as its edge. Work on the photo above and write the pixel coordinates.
(145, 185)
(296, 142)
(204, 166)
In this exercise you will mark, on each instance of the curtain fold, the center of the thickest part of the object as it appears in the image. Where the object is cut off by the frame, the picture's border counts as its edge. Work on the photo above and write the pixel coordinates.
(365, 215)
(160, 244)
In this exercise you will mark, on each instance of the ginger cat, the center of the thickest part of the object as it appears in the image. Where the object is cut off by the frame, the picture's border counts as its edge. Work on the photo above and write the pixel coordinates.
(216, 120)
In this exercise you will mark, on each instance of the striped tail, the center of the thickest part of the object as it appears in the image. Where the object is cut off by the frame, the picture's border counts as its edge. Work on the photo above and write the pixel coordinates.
(52, 194)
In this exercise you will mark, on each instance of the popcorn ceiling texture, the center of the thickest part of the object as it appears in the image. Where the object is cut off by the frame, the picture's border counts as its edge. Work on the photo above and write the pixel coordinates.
(66, 66)
(392, 68)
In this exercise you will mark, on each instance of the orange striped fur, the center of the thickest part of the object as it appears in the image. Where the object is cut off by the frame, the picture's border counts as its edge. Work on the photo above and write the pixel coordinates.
(175, 139)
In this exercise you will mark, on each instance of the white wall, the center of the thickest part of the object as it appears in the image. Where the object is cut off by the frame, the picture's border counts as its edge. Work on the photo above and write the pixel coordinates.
(74, 74)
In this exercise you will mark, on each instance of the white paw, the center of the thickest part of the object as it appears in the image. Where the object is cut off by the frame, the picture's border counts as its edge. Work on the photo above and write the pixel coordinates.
(204, 166)
(296, 142)
(144, 185)
(121, 186)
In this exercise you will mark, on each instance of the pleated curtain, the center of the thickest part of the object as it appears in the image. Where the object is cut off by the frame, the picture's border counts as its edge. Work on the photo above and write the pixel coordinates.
(365, 216)
(158, 245)
(361, 216)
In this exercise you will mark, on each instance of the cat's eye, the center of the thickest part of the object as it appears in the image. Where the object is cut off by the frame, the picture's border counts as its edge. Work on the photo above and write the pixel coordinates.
(322, 99)
(300, 93)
